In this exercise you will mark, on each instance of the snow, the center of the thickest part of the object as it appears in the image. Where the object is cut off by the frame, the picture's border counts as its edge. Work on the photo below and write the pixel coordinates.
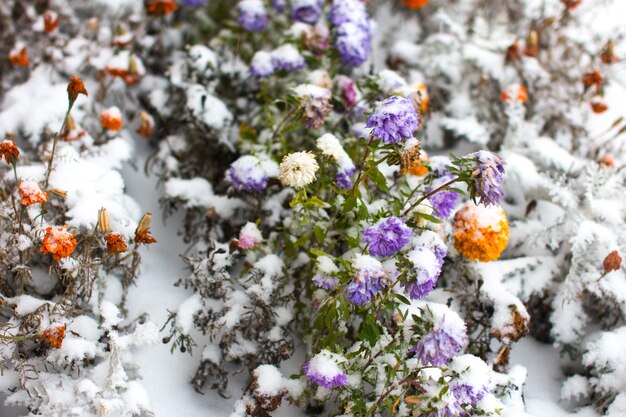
(269, 380)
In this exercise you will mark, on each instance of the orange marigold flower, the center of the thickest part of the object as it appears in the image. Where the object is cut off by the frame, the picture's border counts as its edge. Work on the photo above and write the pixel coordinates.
(421, 98)
(607, 160)
(513, 52)
(19, 58)
(147, 124)
(31, 193)
(9, 151)
(74, 88)
(111, 119)
(415, 4)
(58, 242)
(593, 78)
(571, 4)
(165, 7)
(144, 237)
(480, 232)
(612, 262)
(514, 93)
(419, 169)
(598, 105)
(54, 336)
(50, 21)
(116, 243)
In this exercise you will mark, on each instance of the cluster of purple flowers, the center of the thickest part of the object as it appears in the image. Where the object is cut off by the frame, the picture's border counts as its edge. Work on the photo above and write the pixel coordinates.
(427, 259)
(488, 177)
(285, 58)
(252, 15)
(473, 378)
(368, 280)
(352, 31)
(324, 370)
(444, 341)
(394, 120)
(387, 236)
(306, 11)
(249, 173)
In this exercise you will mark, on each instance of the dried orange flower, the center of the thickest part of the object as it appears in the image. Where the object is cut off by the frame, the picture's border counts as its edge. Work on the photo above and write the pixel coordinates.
(415, 4)
(31, 193)
(72, 132)
(514, 93)
(104, 223)
(147, 124)
(111, 119)
(612, 262)
(598, 105)
(593, 78)
(50, 21)
(532, 44)
(165, 7)
(9, 151)
(513, 52)
(416, 165)
(571, 4)
(514, 328)
(608, 55)
(58, 242)
(130, 75)
(142, 233)
(74, 88)
(421, 98)
(54, 336)
(116, 243)
(19, 58)
(607, 160)
(480, 233)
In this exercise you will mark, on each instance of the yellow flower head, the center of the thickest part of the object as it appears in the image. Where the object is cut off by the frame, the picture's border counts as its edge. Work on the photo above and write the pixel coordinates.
(480, 233)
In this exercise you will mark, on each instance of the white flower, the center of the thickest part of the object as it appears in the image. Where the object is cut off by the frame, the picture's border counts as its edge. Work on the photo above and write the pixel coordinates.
(298, 169)
(330, 146)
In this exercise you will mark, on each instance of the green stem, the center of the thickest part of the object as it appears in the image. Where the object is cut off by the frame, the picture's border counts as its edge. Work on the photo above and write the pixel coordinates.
(430, 194)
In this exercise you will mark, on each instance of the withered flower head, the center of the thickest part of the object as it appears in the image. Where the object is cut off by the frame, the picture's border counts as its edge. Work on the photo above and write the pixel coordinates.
(410, 157)
(571, 4)
(74, 88)
(163, 7)
(9, 151)
(116, 243)
(608, 55)
(50, 21)
(513, 52)
(146, 126)
(593, 78)
(142, 233)
(532, 44)
(59, 193)
(104, 224)
(53, 336)
(19, 58)
(612, 262)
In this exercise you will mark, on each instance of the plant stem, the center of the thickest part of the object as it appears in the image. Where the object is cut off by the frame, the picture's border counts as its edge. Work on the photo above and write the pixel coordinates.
(283, 121)
(54, 145)
(430, 194)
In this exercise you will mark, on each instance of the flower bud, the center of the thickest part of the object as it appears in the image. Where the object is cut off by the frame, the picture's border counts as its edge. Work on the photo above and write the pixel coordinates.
(104, 224)
(612, 262)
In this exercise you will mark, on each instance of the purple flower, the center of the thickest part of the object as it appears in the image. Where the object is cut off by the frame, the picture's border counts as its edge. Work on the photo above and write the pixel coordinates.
(325, 281)
(442, 202)
(306, 11)
(394, 120)
(353, 43)
(324, 370)
(444, 341)
(195, 3)
(279, 5)
(349, 92)
(425, 270)
(353, 11)
(343, 179)
(368, 280)
(287, 58)
(261, 65)
(488, 177)
(249, 173)
(473, 378)
(387, 236)
(452, 409)
(252, 15)
(432, 241)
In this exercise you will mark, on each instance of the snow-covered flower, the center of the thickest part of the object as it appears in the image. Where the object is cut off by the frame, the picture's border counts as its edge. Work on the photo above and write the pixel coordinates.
(387, 236)
(514, 93)
(473, 378)
(443, 202)
(353, 43)
(323, 277)
(249, 173)
(53, 336)
(249, 236)
(306, 11)
(330, 146)
(19, 57)
(480, 232)
(252, 15)
(447, 337)
(111, 119)
(488, 177)
(31, 193)
(324, 370)
(316, 102)
(298, 169)
(58, 242)
(261, 64)
(343, 11)
(287, 58)
(423, 274)
(368, 280)
(394, 120)
(349, 92)
(9, 151)
(116, 243)
(433, 242)
(279, 5)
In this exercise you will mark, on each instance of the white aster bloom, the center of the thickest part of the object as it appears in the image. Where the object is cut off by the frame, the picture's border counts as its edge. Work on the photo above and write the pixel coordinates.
(330, 146)
(298, 169)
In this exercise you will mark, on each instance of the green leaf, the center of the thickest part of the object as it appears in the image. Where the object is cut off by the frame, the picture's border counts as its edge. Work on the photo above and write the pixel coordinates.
(428, 217)
(320, 234)
(456, 190)
(369, 332)
(318, 252)
(402, 298)
(363, 213)
(378, 178)
(349, 203)
(316, 202)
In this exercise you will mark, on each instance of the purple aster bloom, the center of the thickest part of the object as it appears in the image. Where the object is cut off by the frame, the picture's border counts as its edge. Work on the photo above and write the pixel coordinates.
(452, 409)
(261, 65)
(279, 5)
(353, 43)
(343, 11)
(387, 236)
(432, 241)
(287, 58)
(252, 15)
(425, 272)
(368, 280)
(473, 378)
(248, 173)
(394, 120)
(443, 202)
(343, 179)
(443, 342)
(469, 394)
(194, 3)
(488, 177)
(324, 370)
(306, 11)
(325, 281)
